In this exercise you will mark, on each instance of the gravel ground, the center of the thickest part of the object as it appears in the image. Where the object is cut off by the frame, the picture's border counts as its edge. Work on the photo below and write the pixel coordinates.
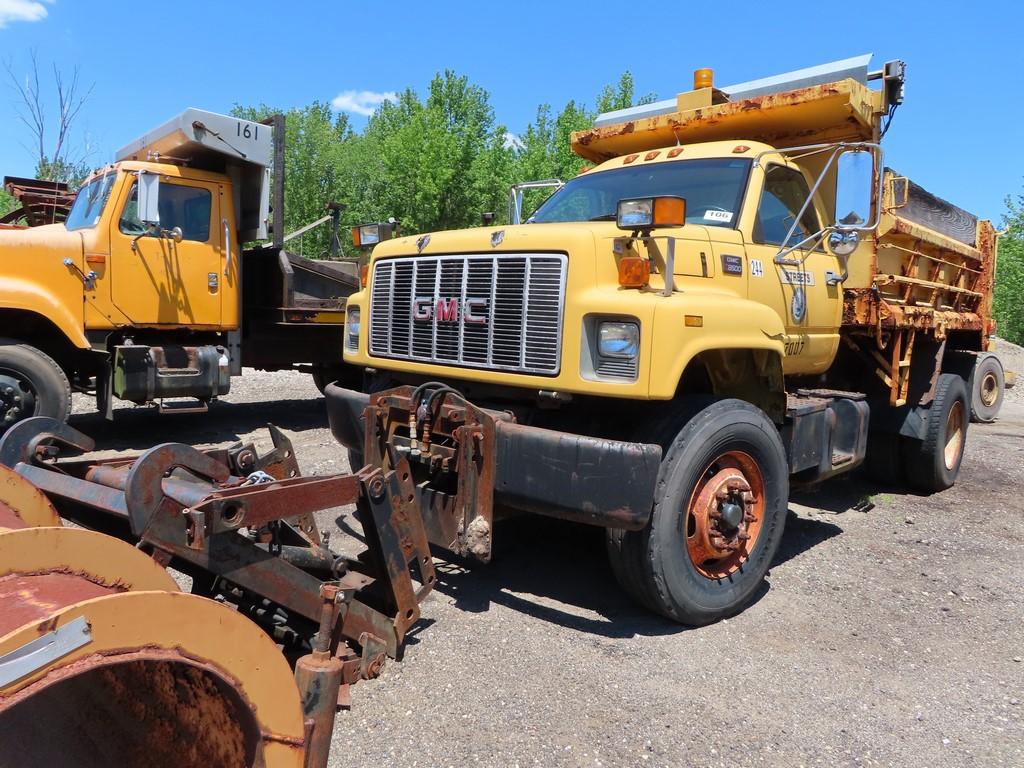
(889, 638)
(1012, 358)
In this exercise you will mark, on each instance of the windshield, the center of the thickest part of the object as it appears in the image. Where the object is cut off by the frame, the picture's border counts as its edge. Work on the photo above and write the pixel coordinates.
(89, 203)
(712, 188)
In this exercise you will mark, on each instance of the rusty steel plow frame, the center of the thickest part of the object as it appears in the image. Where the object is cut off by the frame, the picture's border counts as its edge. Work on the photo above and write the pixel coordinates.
(242, 527)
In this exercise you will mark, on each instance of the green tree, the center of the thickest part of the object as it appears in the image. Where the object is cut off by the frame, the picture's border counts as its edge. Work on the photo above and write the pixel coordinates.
(6, 203)
(546, 144)
(1009, 289)
(441, 162)
(314, 138)
(434, 163)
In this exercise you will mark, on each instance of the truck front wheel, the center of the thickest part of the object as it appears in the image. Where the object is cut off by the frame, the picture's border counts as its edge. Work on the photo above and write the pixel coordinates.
(31, 384)
(718, 517)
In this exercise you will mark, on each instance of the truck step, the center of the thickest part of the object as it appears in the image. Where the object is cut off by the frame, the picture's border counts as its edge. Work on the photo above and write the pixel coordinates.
(186, 406)
(839, 458)
(827, 393)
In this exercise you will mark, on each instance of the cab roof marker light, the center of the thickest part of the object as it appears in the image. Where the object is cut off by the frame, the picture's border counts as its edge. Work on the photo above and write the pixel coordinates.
(855, 67)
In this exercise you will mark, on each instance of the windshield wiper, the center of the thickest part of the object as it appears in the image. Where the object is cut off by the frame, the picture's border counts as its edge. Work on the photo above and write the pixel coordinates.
(604, 217)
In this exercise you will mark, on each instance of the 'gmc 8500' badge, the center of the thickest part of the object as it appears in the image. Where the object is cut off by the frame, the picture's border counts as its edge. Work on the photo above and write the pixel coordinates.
(446, 310)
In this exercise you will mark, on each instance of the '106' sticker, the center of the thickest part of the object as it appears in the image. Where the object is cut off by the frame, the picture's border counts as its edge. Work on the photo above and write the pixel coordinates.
(711, 215)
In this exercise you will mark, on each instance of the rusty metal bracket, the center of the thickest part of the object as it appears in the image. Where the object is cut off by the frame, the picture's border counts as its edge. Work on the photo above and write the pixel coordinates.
(144, 492)
(40, 437)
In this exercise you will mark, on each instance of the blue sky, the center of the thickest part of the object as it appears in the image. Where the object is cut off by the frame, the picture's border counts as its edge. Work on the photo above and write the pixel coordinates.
(958, 134)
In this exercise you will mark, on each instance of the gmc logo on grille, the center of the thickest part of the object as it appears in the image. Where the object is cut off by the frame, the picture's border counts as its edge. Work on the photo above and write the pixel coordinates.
(446, 310)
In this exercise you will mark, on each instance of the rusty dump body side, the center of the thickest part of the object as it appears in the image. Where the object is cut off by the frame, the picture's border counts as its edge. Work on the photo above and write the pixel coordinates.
(931, 266)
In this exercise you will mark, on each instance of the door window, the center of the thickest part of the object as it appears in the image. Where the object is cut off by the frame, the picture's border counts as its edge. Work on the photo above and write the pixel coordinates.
(785, 191)
(180, 206)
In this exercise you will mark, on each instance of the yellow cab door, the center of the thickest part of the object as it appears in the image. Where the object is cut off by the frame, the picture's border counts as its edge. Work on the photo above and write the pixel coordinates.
(798, 290)
(156, 280)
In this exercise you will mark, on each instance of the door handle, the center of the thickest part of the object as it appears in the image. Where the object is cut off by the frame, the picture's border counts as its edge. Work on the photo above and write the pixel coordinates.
(227, 246)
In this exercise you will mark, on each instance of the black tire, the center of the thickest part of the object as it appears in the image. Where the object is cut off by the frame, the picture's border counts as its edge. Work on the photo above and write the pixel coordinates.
(31, 384)
(626, 557)
(988, 385)
(929, 465)
(655, 564)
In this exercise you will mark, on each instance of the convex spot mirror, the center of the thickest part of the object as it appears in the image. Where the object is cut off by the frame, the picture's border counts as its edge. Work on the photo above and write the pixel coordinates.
(843, 243)
(149, 198)
(854, 183)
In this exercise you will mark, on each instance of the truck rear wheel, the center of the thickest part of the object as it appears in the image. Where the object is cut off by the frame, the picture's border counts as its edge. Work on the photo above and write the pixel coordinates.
(718, 517)
(31, 384)
(987, 388)
(932, 464)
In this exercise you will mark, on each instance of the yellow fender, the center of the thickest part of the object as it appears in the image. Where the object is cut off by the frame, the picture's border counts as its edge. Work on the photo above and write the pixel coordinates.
(22, 504)
(728, 322)
(16, 293)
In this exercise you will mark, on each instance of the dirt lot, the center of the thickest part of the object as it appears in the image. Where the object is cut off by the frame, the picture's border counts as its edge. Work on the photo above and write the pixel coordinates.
(892, 637)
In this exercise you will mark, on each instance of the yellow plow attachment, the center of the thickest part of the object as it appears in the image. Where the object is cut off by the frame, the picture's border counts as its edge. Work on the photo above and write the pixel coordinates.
(104, 661)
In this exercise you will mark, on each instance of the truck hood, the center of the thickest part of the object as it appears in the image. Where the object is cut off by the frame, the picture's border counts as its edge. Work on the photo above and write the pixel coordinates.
(48, 239)
(568, 237)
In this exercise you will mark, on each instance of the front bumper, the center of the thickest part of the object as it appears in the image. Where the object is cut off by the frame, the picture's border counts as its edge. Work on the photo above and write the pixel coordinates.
(608, 483)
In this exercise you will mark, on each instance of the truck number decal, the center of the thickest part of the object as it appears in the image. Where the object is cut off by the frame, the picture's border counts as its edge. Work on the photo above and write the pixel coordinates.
(711, 215)
(797, 277)
(794, 347)
(247, 130)
(756, 268)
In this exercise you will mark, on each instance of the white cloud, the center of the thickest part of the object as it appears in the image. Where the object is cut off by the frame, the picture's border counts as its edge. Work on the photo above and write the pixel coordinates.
(513, 142)
(358, 102)
(21, 10)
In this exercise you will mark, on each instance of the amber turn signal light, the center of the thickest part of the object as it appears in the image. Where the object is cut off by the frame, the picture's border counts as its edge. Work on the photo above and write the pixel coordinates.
(363, 272)
(634, 272)
(669, 211)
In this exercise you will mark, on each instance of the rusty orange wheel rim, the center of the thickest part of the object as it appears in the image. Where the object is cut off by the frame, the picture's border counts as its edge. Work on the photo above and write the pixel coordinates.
(954, 435)
(989, 390)
(725, 514)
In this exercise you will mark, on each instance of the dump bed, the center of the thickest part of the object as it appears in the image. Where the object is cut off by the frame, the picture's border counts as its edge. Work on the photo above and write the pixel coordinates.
(931, 265)
(294, 308)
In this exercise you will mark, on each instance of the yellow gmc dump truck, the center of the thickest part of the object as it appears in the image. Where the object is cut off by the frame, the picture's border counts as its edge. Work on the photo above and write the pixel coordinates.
(738, 297)
(139, 294)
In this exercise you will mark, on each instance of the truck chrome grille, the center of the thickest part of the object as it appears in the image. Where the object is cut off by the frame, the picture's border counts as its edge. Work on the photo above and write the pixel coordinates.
(502, 312)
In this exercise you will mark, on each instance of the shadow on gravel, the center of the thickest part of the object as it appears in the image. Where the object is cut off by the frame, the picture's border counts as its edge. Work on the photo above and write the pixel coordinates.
(142, 428)
(802, 534)
(560, 562)
(552, 560)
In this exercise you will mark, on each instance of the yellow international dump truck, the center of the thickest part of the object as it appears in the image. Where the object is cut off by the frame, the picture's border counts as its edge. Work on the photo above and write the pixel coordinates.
(738, 297)
(139, 294)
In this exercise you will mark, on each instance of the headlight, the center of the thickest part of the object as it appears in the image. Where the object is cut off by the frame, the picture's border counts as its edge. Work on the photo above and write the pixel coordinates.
(618, 340)
(352, 327)
(649, 212)
(366, 235)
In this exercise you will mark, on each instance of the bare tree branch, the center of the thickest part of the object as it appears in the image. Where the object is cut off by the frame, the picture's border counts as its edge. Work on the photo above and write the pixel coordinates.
(32, 112)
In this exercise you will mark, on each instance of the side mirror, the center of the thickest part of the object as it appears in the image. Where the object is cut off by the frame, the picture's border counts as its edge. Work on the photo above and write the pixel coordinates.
(854, 184)
(843, 243)
(149, 198)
